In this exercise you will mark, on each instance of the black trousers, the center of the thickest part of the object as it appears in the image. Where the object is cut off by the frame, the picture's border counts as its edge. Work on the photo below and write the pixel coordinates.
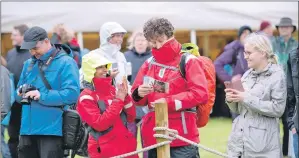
(14, 129)
(285, 140)
(189, 151)
(40, 147)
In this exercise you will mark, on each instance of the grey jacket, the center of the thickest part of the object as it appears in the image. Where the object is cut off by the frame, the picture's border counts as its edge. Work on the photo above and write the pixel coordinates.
(255, 132)
(4, 91)
(293, 89)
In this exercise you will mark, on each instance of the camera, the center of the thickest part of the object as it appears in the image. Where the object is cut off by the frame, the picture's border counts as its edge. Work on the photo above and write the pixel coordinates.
(23, 90)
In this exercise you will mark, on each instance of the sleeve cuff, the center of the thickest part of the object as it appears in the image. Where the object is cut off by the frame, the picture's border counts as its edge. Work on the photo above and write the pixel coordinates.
(135, 95)
(42, 97)
(248, 99)
(291, 125)
(171, 106)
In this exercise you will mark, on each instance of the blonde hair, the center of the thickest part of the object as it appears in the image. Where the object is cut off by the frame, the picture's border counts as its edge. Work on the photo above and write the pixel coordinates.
(132, 38)
(261, 43)
(66, 34)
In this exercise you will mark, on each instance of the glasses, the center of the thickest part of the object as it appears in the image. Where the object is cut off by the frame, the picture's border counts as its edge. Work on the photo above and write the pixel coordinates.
(247, 53)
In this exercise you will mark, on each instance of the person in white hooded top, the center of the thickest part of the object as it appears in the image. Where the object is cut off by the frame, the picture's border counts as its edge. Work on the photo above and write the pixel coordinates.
(111, 38)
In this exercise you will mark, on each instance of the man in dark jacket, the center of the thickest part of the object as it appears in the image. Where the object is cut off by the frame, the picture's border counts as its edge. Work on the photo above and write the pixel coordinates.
(293, 96)
(282, 46)
(15, 60)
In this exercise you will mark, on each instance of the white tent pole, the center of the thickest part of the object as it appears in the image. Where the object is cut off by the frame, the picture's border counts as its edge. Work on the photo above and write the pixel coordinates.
(80, 39)
(193, 36)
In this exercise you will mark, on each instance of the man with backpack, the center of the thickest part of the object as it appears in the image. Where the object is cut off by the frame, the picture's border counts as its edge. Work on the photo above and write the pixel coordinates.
(233, 57)
(182, 94)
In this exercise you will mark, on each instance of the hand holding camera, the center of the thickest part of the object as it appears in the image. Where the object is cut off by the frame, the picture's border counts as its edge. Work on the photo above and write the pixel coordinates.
(28, 93)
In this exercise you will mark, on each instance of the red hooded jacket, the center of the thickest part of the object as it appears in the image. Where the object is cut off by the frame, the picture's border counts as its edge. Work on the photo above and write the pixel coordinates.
(183, 93)
(117, 141)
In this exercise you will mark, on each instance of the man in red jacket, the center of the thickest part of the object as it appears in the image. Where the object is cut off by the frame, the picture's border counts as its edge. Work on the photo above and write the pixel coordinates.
(182, 95)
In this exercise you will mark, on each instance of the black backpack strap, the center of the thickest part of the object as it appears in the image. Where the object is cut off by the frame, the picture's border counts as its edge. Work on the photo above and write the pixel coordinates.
(182, 64)
(42, 75)
(102, 106)
(42, 67)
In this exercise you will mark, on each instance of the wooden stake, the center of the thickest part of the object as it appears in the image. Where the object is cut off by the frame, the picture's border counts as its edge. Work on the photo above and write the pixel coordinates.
(161, 112)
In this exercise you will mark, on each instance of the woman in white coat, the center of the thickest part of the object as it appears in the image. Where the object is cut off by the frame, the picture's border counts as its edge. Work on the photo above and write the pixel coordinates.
(111, 38)
(255, 132)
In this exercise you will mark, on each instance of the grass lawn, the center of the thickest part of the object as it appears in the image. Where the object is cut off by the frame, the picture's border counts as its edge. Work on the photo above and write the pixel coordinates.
(214, 136)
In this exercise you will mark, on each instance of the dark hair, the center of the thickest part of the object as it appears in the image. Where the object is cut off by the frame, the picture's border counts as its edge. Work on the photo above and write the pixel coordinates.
(21, 28)
(156, 27)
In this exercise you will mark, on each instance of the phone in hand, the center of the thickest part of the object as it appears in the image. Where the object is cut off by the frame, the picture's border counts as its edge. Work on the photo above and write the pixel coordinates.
(228, 84)
(237, 84)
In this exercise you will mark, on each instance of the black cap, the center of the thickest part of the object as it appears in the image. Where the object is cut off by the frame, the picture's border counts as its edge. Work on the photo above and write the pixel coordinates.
(242, 29)
(32, 36)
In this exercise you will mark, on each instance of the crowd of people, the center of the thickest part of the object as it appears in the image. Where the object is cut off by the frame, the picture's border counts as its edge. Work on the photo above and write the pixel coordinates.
(41, 77)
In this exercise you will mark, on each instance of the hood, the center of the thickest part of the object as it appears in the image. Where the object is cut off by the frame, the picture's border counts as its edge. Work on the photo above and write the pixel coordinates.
(108, 29)
(107, 49)
(63, 49)
(190, 48)
(90, 62)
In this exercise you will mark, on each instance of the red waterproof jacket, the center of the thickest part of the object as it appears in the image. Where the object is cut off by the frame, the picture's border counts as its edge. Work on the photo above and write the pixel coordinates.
(117, 141)
(183, 94)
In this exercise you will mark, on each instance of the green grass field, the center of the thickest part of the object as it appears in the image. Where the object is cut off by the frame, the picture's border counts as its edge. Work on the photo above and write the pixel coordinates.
(214, 135)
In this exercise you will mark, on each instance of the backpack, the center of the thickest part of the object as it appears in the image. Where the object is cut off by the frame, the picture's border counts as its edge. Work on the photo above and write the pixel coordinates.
(203, 111)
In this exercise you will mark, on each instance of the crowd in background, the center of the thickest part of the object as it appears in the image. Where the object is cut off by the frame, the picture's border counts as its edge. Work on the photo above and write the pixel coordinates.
(230, 65)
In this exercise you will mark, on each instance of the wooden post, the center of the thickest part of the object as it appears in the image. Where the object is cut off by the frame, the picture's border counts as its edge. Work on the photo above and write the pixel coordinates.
(161, 112)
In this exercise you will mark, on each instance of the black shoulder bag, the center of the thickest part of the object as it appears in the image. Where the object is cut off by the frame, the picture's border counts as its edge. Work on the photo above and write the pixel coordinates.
(71, 118)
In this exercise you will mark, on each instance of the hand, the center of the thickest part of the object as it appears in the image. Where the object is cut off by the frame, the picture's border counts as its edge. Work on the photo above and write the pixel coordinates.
(236, 77)
(294, 131)
(114, 72)
(228, 95)
(33, 94)
(122, 92)
(161, 100)
(233, 95)
(144, 90)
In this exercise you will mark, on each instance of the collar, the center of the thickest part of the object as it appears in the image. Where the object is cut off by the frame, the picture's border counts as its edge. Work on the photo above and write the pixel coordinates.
(281, 39)
(265, 71)
(147, 52)
(103, 87)
(45, 56)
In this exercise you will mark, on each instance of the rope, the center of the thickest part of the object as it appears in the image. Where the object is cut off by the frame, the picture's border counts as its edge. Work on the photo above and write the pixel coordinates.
(143, 149)
(172, 135)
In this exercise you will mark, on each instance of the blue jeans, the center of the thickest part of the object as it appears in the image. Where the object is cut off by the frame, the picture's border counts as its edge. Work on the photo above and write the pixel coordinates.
(295, 144)
(4, 147)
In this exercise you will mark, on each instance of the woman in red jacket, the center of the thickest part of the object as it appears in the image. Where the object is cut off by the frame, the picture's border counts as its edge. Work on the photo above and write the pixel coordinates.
(105, 111)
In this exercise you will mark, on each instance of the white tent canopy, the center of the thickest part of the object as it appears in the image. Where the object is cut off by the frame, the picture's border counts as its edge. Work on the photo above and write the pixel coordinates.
(89, 16)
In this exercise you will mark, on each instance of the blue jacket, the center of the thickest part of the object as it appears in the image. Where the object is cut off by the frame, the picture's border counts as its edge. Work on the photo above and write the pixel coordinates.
(44, 117)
